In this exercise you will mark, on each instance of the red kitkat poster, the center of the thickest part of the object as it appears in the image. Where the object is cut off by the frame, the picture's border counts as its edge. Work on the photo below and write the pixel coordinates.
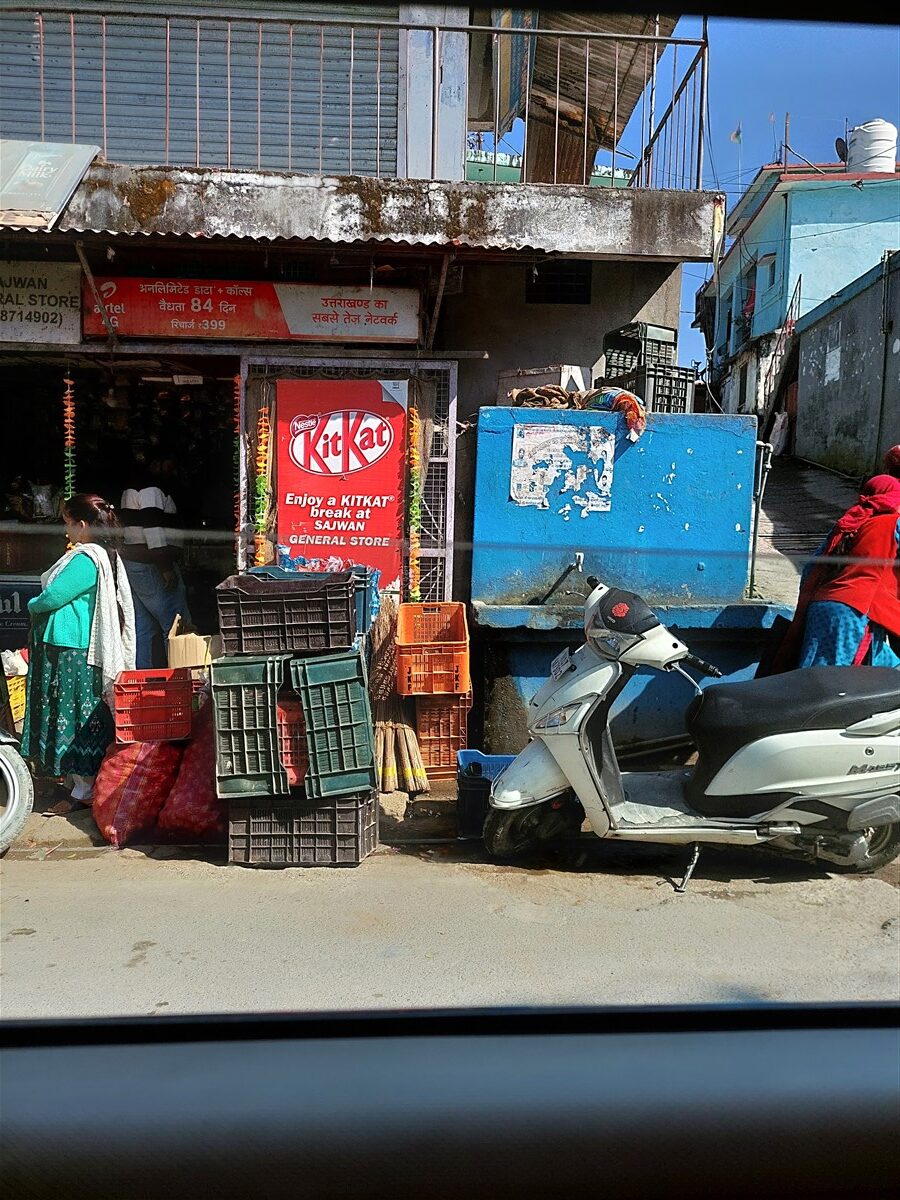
(341, 471)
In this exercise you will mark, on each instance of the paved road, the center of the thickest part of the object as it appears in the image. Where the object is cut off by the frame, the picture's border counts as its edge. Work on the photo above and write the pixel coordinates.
(102, 932)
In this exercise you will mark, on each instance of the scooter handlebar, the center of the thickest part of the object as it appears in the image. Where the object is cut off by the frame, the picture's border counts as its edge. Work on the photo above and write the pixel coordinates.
(705, 667)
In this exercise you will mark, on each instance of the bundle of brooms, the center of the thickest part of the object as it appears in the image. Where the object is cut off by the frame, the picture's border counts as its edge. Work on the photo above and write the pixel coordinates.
(398, 761)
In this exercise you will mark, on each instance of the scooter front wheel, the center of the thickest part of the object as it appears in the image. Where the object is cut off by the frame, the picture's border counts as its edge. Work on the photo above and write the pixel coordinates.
(511, 834)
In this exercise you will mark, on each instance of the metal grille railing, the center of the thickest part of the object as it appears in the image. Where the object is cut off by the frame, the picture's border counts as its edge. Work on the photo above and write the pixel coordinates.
(333, 96)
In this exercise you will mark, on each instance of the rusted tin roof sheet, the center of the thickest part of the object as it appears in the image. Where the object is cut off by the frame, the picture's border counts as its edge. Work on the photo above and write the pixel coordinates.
(591, 222)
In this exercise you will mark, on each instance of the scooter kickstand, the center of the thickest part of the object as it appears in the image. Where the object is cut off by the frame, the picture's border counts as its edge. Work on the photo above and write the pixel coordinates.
(680, 888)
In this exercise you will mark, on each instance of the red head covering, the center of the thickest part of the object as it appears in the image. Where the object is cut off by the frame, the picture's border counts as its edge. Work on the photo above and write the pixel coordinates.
(892, 461)
(879, 497)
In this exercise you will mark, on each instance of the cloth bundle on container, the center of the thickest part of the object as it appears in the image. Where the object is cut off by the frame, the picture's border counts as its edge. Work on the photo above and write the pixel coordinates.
(605, 399)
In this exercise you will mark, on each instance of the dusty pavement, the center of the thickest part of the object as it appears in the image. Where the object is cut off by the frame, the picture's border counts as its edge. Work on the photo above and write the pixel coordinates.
(99, 932)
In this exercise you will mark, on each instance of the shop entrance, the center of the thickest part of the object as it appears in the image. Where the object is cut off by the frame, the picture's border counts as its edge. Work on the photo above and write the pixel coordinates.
(137, 421)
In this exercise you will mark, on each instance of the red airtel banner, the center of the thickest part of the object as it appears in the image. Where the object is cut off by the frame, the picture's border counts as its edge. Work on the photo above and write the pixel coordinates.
(341, 471)
(239, 309)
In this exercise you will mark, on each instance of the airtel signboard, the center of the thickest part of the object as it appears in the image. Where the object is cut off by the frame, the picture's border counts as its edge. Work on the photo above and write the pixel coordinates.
(342, 471)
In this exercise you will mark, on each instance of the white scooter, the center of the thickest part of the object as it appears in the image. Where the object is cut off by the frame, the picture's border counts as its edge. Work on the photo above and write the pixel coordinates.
(807, 762)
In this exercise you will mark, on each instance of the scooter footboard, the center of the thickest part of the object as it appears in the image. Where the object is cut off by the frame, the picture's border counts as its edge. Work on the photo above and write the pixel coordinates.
(531, 778)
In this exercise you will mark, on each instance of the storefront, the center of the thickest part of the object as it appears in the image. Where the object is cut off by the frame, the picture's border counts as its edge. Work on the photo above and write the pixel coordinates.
(251, 397)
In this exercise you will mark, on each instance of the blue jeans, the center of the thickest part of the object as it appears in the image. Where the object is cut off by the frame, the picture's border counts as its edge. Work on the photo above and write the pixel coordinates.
(155, 609)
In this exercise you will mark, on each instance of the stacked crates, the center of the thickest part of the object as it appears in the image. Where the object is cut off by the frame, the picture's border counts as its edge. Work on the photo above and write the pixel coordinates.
(294, 741)
(641, 359)
(433, 666)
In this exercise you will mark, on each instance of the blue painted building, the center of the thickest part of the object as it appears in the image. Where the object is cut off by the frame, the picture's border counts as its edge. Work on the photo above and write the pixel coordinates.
(668, 516)
(797, 236)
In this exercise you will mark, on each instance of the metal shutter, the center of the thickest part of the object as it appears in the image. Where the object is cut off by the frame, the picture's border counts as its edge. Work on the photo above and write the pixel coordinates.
(240, 92)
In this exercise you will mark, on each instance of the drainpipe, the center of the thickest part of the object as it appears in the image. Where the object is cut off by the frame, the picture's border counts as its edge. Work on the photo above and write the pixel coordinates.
(886, 324)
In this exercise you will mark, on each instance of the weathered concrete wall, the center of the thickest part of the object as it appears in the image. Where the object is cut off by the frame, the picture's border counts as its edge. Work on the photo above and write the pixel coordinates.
(491, 314)
(615, 223)
(848, 397)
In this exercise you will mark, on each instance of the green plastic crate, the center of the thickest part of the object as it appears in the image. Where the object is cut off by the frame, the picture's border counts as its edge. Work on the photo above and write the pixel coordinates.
(335, 697)
(244, 696)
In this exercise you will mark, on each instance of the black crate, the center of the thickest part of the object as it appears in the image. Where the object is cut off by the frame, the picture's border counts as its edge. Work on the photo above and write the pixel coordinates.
(637, 345)
(308, 613)
(663, 389)
(475, 774)
(296, 832)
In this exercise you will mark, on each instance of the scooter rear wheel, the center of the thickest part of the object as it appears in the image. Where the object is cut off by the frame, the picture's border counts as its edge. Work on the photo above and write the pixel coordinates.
(883, 847)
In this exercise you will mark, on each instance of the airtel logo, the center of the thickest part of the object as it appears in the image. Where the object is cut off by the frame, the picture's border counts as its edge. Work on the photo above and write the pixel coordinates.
(339, 443)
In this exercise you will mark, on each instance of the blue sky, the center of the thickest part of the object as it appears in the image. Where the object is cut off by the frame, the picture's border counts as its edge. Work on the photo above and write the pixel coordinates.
(819, 73)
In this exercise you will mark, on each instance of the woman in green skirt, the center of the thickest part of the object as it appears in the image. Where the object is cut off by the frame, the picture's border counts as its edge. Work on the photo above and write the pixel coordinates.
(82, 636)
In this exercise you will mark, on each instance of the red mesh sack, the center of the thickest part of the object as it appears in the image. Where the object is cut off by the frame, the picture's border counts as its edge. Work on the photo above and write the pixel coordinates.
(131, 788)
(193, 808)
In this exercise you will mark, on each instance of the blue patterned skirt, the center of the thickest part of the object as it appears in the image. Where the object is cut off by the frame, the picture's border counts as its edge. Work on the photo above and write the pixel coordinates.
(834, 633)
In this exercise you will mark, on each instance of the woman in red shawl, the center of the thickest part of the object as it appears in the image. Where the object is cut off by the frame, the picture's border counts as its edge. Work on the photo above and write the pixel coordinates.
(848, 612)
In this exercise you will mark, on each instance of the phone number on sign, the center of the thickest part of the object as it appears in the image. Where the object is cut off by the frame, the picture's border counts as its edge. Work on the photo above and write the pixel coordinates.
(33, 316)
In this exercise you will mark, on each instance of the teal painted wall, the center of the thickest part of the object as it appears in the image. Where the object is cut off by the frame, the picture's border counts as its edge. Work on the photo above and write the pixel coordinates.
(835, 232)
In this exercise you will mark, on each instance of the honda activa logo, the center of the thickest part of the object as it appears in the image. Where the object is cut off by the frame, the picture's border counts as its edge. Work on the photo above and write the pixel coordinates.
(339, 443)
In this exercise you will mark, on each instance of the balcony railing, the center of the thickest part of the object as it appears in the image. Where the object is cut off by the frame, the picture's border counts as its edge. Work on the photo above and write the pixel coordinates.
(365, 97)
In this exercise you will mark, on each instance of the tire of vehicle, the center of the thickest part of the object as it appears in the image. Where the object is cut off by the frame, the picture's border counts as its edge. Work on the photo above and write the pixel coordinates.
(16, 795)
(511, 834)
(883, 848)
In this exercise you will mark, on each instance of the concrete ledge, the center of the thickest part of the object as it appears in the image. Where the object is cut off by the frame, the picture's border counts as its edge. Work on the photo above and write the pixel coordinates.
(617, 223)
(747, 616)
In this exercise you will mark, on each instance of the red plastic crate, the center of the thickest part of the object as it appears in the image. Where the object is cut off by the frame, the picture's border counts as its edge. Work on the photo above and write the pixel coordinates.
(441, 730)
(432, 650)
(292, 747)
(153, 706)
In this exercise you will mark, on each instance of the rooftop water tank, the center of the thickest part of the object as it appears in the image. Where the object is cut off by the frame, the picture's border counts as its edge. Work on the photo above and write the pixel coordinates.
(872, 148)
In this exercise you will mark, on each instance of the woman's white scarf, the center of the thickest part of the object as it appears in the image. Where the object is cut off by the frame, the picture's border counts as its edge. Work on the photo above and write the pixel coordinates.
(112, 644)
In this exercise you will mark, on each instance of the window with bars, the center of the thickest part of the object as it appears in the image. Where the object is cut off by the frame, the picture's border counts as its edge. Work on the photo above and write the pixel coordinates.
(559, 281)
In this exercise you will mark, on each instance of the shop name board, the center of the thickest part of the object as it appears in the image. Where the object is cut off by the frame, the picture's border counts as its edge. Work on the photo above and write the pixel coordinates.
(236, 311)
(40, 302)
(15, 592)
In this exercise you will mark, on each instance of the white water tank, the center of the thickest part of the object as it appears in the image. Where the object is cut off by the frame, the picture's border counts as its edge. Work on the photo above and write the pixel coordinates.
(872, 147)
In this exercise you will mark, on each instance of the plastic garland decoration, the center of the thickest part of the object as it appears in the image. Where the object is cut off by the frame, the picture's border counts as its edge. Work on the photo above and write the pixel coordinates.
(68, 438)
(261, 498)
(238, 523)
(415, 505)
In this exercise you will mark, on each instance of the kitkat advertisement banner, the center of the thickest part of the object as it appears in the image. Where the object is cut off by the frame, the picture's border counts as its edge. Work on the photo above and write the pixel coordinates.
(341, 471)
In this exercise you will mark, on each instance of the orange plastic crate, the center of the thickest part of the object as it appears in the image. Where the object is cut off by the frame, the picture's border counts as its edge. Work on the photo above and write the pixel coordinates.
(441, 730)
(432, 650)
(292, 738)
(153, 706)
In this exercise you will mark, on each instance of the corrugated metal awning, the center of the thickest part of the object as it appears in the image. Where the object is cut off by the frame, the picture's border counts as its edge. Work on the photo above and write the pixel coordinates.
(618, 223)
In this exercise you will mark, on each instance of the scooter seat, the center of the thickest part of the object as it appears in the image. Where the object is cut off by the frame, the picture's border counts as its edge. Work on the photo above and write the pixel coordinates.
(728, 716)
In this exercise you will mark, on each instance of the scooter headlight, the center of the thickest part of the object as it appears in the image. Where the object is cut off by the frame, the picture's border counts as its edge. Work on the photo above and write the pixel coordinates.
(558, 717)
(611, 643)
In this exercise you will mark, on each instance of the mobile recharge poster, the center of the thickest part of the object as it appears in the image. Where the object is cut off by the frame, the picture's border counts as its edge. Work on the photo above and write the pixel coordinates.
(341, 471)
